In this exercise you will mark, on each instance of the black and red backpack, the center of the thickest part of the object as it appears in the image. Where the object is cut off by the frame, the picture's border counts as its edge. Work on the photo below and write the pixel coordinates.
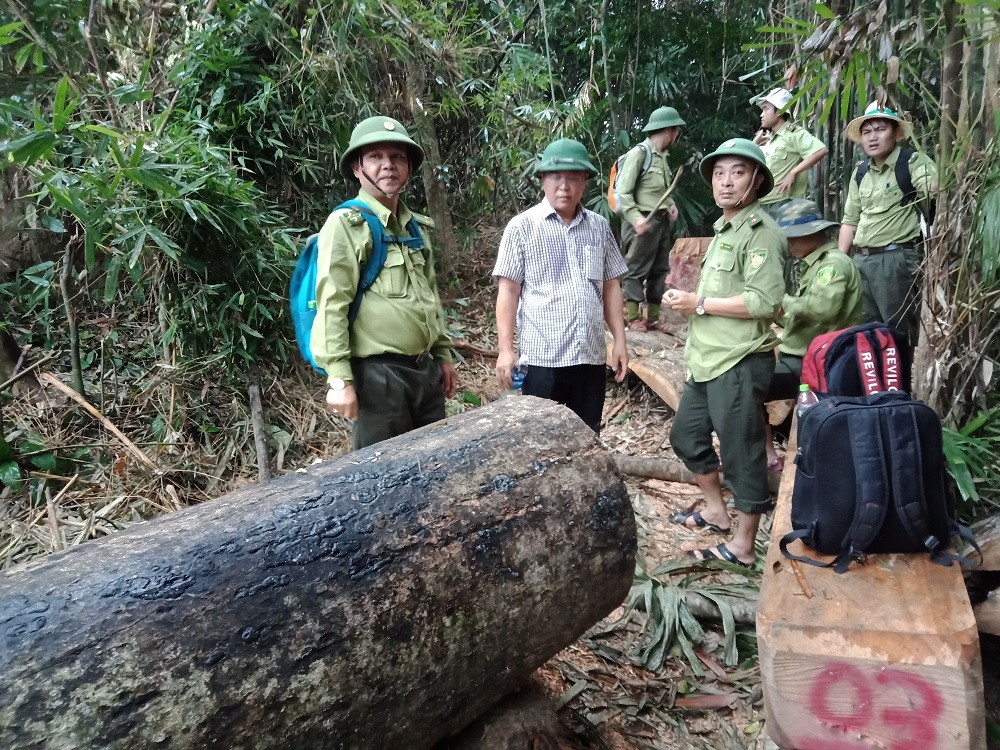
(859, 361)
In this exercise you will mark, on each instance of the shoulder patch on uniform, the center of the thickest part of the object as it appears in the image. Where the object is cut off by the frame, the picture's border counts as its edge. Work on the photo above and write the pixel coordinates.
(423, 220)
(757, 257)
(755, 220)
(826, 274)
(353, 216)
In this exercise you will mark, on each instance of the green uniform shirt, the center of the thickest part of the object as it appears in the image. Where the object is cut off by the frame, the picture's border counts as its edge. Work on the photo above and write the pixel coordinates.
(746, 258)
(399, 314)
(637, 195)
(788, 147)
(873, 206)
(828, 299)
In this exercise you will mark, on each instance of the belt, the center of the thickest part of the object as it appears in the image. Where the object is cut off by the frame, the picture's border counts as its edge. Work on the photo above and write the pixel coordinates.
(402, 359)
(884, 248)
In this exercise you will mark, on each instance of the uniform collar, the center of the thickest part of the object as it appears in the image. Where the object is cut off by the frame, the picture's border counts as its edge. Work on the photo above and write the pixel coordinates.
(384, 214)
(889, 163)
(819, 253)
(739, 220)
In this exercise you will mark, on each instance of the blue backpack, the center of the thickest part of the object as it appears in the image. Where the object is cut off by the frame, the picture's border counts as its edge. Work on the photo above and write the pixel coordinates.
(302, 290)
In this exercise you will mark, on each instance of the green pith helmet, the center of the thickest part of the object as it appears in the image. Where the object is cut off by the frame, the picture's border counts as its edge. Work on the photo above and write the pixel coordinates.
(800, 218)
(748, 150)
(664, 117)
(565, 155)
(379, 130)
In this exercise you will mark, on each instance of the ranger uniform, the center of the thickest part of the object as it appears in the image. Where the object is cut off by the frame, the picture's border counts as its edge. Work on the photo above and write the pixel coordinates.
(828, 296)
(886, 237)
(730, 359)
(647, 254)
(392, 354)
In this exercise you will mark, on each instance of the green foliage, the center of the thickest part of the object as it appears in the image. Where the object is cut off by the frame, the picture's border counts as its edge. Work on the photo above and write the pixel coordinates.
(669, 627)
(972, 454)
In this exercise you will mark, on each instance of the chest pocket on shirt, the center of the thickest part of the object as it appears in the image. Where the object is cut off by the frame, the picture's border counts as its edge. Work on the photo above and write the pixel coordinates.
(392, 281)
(878, 196)
(719, 274)
(593, 263)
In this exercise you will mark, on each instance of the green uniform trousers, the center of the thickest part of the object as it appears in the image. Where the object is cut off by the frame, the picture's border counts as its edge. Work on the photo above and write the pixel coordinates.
(732, 405)
(396, 394)
(648, 259)
(890, 290)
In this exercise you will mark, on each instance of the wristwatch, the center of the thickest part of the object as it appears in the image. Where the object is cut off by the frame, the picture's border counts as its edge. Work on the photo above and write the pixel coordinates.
(700, 307)
(338, 384)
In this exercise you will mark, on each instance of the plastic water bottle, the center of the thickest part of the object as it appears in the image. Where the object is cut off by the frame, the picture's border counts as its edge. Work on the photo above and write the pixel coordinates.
(517, 375)
(805, 400)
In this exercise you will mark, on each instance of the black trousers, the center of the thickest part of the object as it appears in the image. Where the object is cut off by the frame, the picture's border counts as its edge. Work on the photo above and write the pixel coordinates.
(580, 387)
(396, 394)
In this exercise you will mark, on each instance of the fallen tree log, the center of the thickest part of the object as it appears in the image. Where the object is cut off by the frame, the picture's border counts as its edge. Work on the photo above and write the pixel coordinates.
(384, 599)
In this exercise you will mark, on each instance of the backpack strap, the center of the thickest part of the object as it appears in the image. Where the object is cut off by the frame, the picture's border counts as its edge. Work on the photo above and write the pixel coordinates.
(380, 250)
(908, 491)
(868, 365)
(891, 367)
(871, 486)
(806, 534)
(903, 177)
(862, 170)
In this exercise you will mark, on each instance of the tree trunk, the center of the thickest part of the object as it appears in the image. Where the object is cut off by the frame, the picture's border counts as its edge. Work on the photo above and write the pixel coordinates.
(384, 599)
(434, 187)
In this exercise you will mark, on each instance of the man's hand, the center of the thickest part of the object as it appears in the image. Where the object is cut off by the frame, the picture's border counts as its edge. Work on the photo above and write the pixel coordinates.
(681, 301)
(343, 403)
(506, 362)
(641, 225)
(619, 359)
(450, 377)
(672, 213)
(785, 186)
(761, 137)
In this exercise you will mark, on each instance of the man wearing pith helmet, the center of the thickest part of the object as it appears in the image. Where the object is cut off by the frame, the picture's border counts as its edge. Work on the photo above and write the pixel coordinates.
(729, 352)
(881, 224)
(647, 218)
(391, 369)
(791, 150)
(557, 269)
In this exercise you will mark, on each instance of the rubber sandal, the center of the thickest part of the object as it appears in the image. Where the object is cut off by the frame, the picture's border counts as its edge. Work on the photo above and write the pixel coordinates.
(719, 552)
(776, 465)
(638, 325)
(699, 522)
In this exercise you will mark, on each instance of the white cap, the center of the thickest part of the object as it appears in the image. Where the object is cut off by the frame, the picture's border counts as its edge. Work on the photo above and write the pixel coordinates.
(778, 98)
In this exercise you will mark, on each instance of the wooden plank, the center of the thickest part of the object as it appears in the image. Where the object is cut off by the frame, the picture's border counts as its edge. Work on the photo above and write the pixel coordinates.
(883, 656)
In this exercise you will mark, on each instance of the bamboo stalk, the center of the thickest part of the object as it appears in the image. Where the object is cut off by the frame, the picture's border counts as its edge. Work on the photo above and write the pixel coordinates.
(132, 447)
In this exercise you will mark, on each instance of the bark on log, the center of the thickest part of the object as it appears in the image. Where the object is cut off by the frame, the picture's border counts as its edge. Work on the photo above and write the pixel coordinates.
(384, 599)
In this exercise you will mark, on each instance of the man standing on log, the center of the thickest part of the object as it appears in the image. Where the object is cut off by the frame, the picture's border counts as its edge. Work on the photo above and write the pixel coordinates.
(729, 351)
(791, 150)
(391, 370)
(557, 268)
(882, 218)
(828, 298)
(647, 219)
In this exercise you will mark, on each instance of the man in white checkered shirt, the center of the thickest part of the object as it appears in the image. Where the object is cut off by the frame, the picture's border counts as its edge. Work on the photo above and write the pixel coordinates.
(558, 270)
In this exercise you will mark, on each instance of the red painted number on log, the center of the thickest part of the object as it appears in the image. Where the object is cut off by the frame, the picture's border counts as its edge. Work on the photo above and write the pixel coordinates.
(911, 718)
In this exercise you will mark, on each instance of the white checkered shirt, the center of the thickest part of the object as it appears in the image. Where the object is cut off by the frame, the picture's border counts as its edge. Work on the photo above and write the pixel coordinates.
(562, 270)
